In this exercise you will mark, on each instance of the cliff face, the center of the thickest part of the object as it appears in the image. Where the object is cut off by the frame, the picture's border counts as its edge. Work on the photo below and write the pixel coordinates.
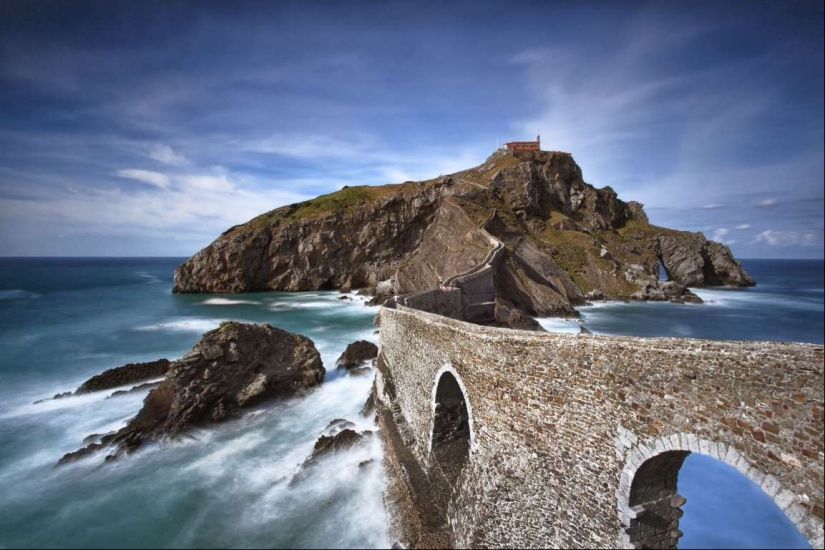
(563, 240)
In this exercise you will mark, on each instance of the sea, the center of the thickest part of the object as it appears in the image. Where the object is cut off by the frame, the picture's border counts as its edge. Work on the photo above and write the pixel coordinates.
(63, 320)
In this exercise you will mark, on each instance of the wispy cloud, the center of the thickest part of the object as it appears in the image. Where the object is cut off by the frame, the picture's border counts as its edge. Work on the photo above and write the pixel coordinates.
(743, 226)
(789, 238)
(166, 155)
(195, 206)
(146, 176)
(767, 203)
(698, 117)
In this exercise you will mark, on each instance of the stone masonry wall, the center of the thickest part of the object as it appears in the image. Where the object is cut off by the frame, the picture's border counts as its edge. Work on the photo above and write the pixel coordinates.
(563, 427)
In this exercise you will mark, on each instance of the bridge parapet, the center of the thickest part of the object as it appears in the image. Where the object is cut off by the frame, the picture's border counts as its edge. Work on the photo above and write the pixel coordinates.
(571, 434)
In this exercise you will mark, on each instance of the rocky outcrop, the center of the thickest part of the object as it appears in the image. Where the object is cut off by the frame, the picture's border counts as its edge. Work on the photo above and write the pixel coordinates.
(692, 260)
(356, 354)
(231, 368)
(125, 375)
(559, 238)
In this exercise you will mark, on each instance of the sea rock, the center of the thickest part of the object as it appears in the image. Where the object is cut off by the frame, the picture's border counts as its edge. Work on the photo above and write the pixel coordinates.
(658, 291)
(689, 297)
(135, 389)
(369, 405)
(356, 354)
(695, 261)
(326, 445)
(86, 451)
(127, 374)
(342, 440)
(360, 371)
(62, 395)
(231, 368)
(337, 425)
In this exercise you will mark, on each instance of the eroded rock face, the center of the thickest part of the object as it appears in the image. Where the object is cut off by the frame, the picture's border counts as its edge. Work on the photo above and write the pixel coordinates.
(346, 248)
(692, 260)
(127, 374)
(232, 367)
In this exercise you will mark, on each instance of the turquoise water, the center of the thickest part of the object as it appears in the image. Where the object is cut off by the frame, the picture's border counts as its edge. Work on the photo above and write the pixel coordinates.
(63, 320)
(786, 305)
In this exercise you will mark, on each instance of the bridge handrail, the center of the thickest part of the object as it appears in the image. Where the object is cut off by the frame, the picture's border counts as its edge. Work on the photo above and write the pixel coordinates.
(489, 259)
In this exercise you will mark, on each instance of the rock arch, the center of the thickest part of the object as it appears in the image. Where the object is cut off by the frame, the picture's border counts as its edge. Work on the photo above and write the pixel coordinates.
(649, 506)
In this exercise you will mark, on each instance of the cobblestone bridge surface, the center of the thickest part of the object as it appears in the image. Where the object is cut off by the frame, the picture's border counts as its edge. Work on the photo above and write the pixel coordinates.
(576, 441)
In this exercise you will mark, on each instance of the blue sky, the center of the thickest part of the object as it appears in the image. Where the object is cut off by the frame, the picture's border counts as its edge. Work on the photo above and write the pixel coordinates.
(148, 128)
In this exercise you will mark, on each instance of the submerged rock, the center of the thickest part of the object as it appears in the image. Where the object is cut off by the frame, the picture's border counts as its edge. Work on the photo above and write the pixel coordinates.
(369, 405)
(231, 368)
(326, 445)
(136, 389)
(338, 425)
(127, 374)
(63, 395)
(356, 354)
(88, 450)
(360, 371)
(658, 291)
(341, 441)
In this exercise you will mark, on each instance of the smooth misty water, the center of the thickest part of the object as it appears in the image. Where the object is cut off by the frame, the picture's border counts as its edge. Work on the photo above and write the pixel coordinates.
(62, 321)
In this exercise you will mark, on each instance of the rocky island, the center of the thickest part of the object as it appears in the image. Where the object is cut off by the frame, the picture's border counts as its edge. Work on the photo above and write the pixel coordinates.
(543, 239)
(231, 368)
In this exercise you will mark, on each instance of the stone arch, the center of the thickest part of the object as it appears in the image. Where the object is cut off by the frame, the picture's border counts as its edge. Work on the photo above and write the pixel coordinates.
(649, 506)
(449, 369)
(451, 428)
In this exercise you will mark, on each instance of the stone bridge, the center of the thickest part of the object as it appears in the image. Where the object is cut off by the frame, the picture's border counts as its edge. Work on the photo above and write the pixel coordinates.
(502, 438)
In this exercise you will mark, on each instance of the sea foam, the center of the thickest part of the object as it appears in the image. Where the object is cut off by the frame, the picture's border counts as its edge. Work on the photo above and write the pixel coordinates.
(228, 302)
(196, 324)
